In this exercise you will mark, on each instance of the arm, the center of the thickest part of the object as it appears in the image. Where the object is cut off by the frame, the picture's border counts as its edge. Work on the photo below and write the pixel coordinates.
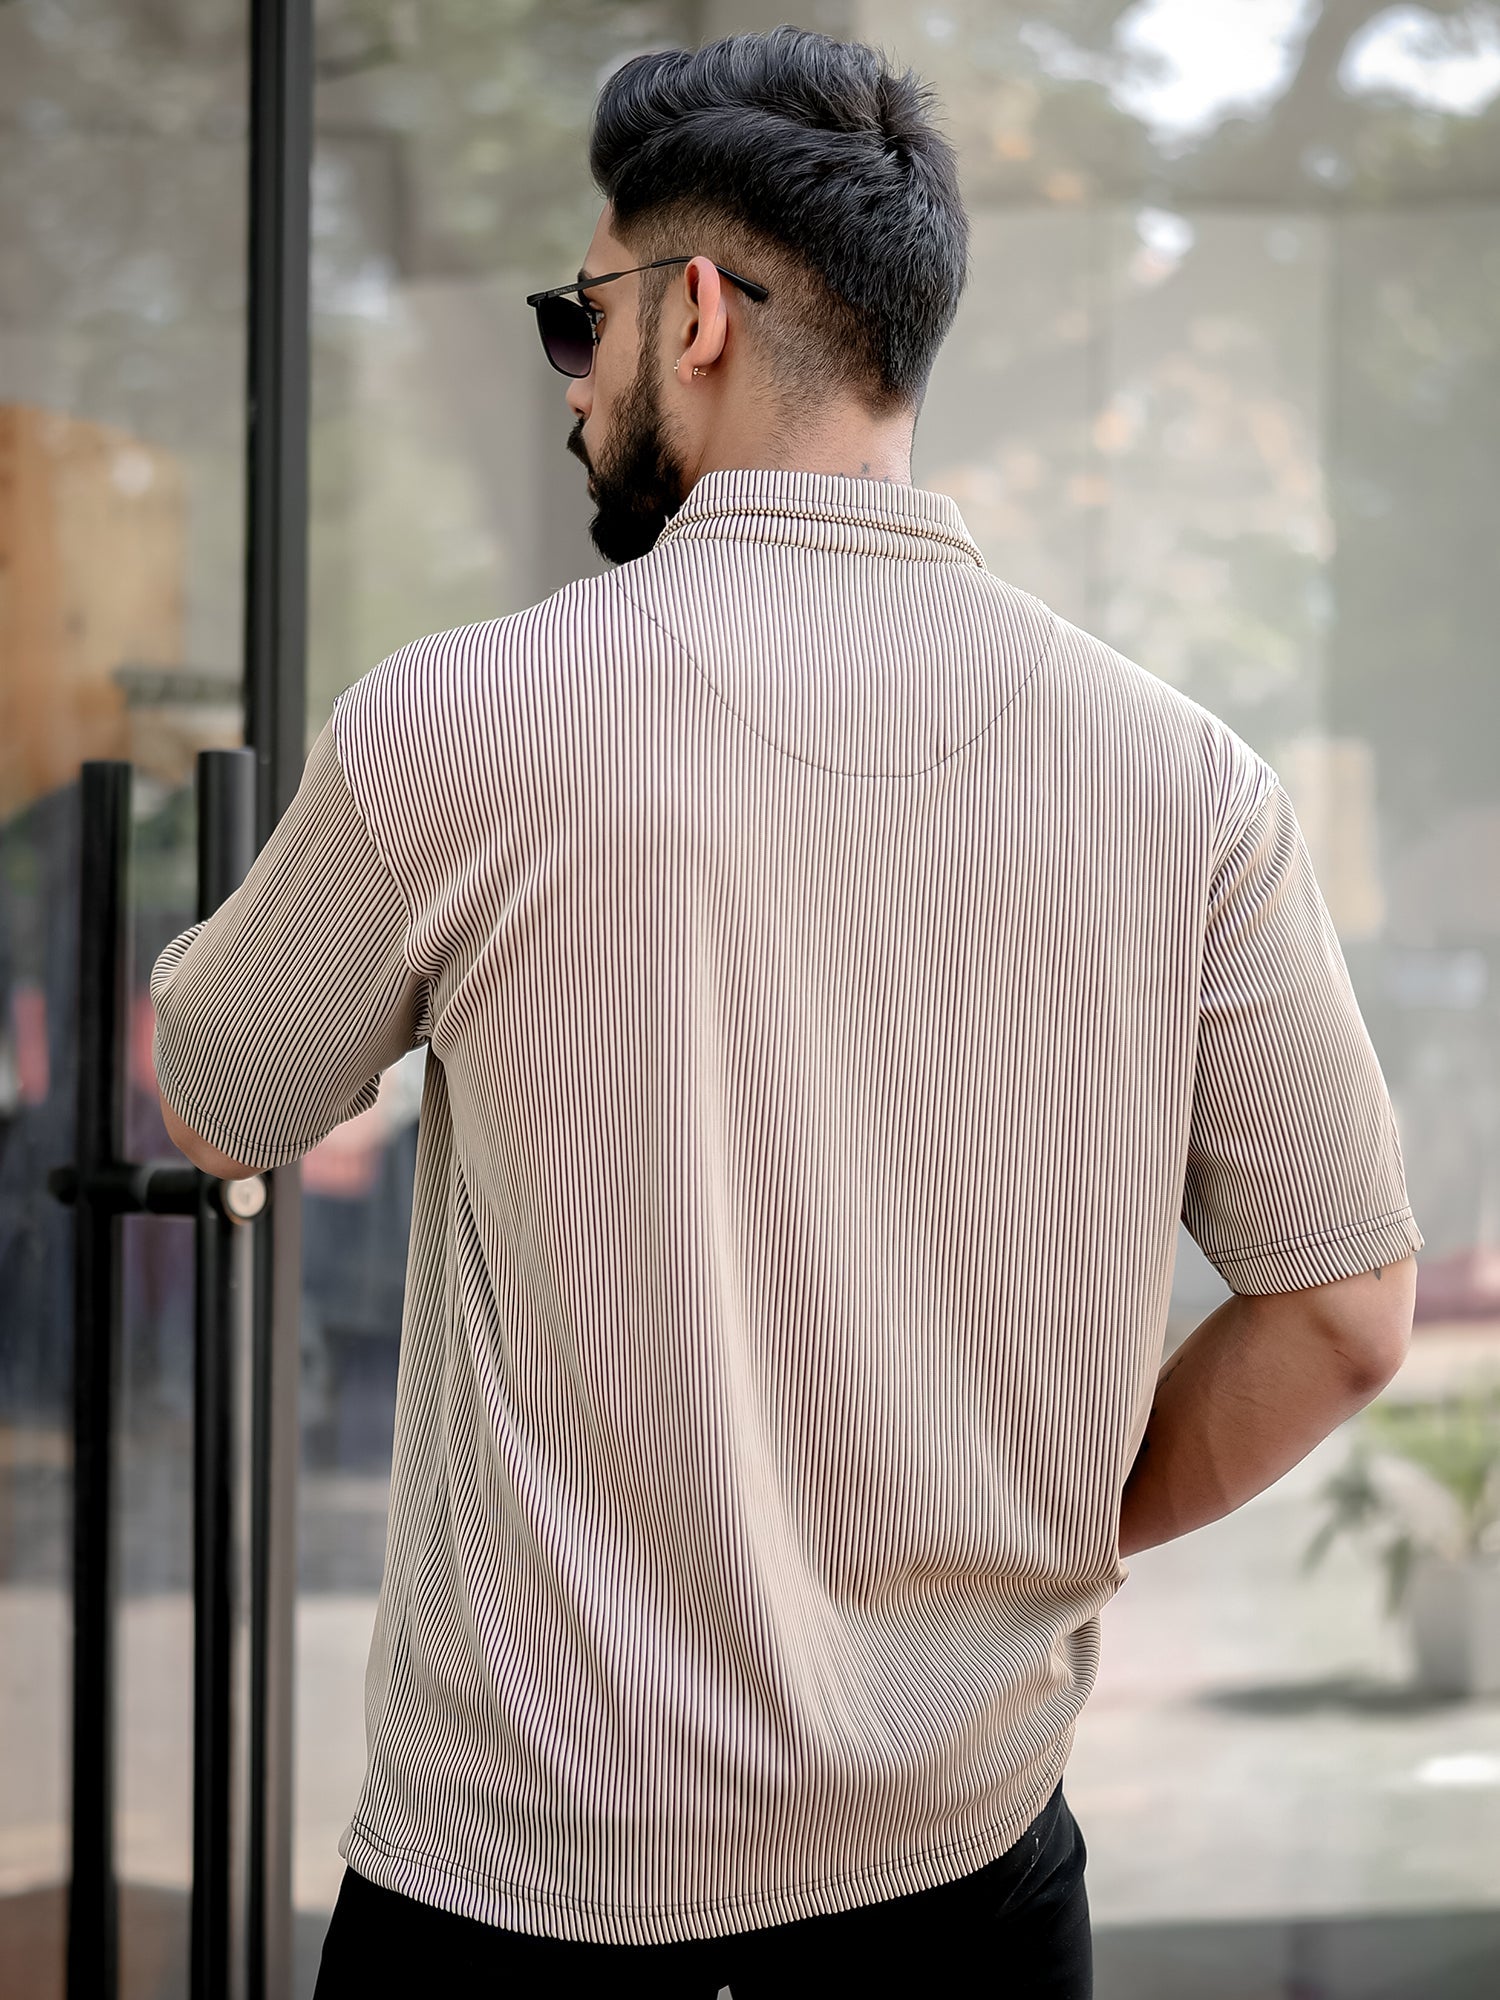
(1293, 1189)
(199, 1151)
(1253, 1389)
(275, 1018)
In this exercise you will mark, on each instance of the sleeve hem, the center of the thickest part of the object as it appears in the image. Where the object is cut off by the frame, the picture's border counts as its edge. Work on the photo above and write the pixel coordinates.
(1322, 1259)
(265, 1159)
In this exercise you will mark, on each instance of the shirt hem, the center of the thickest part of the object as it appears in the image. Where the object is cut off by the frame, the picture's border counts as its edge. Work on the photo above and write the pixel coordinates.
(448, 1886)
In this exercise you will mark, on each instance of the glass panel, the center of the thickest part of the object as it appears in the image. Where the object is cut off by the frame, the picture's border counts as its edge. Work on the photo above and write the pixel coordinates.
(122, 252)
(1224, 389)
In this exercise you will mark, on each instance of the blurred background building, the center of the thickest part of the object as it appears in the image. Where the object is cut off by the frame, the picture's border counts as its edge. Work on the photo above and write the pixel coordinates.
(1224, 389)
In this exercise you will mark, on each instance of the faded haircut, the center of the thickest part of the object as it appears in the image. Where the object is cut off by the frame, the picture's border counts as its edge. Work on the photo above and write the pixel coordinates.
(811, 166)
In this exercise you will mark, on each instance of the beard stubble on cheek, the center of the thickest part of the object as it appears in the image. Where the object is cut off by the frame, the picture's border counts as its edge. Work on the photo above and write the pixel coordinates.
(637, 482)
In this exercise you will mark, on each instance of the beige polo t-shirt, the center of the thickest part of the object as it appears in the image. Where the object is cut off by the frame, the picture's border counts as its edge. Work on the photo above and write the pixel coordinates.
(839, 974)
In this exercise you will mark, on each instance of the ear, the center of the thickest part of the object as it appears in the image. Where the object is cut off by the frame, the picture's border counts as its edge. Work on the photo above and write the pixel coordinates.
(704, 324)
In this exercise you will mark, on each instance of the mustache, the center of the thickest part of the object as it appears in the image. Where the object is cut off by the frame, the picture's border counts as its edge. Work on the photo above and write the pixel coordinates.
(577, 446)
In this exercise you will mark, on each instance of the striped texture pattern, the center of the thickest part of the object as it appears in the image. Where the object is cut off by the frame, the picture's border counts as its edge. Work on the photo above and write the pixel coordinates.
(840, 974)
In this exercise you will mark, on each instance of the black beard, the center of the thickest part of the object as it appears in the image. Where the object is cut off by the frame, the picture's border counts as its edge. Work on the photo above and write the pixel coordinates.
(637, 484)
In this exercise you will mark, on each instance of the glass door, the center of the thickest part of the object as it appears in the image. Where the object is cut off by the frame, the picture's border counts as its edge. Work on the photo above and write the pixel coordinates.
(123, 154)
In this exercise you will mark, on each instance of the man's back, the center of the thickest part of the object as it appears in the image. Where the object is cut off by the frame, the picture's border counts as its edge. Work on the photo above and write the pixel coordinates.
(842, 973)
(839, 974)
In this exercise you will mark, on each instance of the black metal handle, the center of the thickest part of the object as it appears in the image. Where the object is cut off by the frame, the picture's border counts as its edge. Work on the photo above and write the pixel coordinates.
(103, 983)
(161, 1187)
(226, 847)
(101, 1186)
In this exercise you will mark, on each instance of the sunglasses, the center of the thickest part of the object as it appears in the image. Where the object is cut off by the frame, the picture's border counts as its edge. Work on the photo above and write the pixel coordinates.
(568, 324)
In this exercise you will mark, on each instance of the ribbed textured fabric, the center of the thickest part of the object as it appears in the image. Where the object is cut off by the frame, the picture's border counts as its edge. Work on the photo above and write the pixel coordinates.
(840, 974)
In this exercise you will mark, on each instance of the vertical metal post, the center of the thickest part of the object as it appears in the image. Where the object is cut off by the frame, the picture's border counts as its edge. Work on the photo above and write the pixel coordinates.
(276, 1359)
(281, 106)
(226, 847)
(281, 86)
(103, 982)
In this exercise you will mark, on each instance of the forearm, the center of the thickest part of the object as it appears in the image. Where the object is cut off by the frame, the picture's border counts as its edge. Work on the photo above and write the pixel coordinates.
(1244, 1399)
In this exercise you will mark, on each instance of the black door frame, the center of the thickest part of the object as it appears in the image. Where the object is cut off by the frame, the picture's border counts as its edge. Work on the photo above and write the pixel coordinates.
(275, 670)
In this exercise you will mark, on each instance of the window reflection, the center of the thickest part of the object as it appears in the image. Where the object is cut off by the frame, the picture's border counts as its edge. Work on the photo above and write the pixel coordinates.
(1441, 61)
(123, 163)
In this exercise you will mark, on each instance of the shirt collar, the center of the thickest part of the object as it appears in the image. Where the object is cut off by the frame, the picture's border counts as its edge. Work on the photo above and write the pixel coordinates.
(823, 511)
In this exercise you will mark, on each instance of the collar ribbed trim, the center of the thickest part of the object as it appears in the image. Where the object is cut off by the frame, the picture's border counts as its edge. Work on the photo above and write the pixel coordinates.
(824, 510)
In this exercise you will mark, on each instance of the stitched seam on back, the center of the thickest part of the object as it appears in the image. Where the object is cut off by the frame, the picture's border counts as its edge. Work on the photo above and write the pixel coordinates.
(835, 770)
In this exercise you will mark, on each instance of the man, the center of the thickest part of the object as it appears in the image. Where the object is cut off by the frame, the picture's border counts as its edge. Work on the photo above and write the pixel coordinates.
(839, 973)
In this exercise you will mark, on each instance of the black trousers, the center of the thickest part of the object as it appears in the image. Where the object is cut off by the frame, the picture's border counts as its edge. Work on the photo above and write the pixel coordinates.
(1017, 1929)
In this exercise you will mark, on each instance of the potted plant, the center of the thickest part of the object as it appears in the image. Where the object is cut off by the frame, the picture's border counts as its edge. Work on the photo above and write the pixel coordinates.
(1421, 1488)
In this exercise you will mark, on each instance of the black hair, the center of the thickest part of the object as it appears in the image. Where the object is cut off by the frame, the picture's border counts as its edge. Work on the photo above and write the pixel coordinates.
(821, 160)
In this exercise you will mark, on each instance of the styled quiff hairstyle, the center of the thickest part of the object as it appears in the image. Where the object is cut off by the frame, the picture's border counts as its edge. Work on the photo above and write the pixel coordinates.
(811, 166)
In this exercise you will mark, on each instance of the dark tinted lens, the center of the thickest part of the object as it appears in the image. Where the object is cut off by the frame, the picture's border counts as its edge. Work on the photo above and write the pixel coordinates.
(566, 335)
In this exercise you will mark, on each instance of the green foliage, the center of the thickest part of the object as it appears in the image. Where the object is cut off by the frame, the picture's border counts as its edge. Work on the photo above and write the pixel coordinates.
(1456, 1443)
(1453, 1446)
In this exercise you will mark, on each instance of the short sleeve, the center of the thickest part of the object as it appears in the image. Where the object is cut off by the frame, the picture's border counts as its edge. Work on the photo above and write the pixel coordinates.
(1294, 1173)
(275, 1018)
